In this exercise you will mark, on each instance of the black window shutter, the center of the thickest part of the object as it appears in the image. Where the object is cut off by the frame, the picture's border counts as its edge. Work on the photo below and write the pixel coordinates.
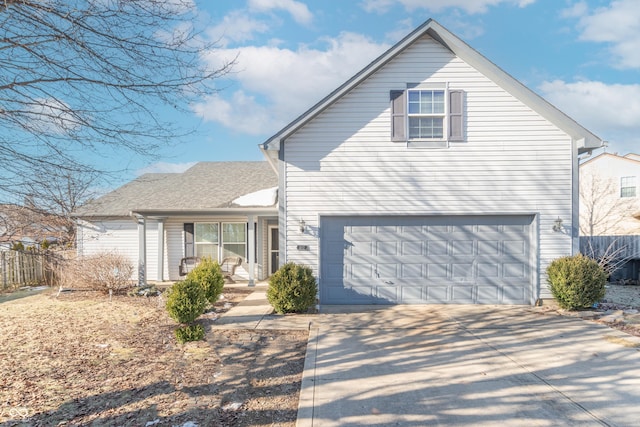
(188, 239)
(398, 115)
(456, 115)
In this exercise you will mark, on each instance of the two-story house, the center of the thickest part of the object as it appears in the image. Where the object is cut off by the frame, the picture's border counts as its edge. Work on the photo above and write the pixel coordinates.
(610, 212)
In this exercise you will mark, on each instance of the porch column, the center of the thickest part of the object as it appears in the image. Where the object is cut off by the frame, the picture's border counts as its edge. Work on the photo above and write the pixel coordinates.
(160, 276)
(252, 248)
(142, 250)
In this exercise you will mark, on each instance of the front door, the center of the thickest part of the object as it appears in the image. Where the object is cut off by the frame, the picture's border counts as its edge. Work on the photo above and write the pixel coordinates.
(274, 249)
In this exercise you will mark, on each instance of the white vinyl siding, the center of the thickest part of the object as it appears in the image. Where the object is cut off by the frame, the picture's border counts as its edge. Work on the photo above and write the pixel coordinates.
(513, 161)
(119, 236)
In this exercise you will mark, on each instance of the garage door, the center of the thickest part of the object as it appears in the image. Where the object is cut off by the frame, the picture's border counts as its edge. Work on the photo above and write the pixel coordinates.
(460, 259)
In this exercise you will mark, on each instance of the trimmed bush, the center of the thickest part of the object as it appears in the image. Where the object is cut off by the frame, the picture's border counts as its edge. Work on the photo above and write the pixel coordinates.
(186, 301)
(189, 333)
(292, 289)
(209, 275)
(576, 281)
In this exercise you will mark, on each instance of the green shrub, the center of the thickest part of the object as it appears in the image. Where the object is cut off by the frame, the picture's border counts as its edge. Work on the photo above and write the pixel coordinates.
(186, 301)
(292, 289)
(209, 275)
(576, 281)
(188, 333)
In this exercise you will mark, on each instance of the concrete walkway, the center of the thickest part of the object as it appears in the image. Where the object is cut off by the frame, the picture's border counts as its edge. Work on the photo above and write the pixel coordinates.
(456, 366)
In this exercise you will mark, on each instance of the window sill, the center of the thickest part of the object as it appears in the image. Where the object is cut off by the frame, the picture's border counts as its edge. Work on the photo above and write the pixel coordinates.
(427, 144)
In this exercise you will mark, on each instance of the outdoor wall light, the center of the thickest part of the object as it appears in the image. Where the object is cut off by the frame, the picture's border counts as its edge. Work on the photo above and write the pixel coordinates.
(557, 225)
(302, 225)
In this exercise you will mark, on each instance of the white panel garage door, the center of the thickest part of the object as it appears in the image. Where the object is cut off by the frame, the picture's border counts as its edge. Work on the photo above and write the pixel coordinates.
(406, 259)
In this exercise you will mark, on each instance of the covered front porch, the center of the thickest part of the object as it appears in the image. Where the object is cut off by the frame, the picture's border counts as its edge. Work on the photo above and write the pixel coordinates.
(164, 239)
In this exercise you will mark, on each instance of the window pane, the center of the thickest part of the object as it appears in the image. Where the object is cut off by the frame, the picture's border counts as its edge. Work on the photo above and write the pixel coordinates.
(426, 102)
(425, 127)
(438, 102)
(234, 249)
(628, 186)
(233, 233)
(207, 250)
(207, 233)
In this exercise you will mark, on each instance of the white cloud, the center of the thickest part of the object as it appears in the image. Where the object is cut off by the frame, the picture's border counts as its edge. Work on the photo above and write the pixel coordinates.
(609, 110)
(576, 10)
(49, 115)
(165, 167)
(298, 11)
(469, 6)
(617, 25)
(278, 84)
(237, 26)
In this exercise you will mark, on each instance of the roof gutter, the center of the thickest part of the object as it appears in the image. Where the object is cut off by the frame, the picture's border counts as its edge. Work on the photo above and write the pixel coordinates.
(206, 211)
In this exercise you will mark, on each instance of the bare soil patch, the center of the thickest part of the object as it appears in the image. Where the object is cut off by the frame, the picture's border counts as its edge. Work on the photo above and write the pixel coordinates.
(84, 359)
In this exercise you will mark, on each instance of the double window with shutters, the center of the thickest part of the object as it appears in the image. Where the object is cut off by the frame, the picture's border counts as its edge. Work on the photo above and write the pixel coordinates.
(427, 116)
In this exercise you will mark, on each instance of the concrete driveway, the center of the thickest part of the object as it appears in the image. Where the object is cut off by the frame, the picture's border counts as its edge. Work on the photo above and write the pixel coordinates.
(466, 365)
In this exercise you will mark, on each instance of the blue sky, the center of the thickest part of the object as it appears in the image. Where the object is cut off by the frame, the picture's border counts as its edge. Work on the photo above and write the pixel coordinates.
(582, 56)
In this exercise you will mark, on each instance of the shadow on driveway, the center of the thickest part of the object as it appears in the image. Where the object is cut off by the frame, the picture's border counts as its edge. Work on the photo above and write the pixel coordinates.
(467, 365)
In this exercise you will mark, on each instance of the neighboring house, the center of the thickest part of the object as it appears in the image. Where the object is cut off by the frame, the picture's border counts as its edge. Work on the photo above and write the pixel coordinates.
(610, 195)
(610, 212)
(431, 176)
(30, 227)
(215, 209)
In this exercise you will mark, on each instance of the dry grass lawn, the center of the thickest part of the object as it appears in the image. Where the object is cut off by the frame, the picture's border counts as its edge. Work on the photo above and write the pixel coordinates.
(82, 359)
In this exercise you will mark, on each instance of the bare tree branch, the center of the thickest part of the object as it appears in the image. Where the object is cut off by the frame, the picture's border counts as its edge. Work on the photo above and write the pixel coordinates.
(101, 77)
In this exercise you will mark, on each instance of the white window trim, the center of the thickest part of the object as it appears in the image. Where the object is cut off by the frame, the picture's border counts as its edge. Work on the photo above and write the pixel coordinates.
(445, 122)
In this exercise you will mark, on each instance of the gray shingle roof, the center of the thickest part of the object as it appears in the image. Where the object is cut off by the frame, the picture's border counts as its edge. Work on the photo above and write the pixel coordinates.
(205, 186)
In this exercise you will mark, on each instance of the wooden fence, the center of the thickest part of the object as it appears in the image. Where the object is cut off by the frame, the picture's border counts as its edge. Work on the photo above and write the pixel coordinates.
(19, 269)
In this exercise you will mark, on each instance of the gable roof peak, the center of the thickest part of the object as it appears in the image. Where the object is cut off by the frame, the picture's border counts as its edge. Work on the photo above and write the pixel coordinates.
(585, 139)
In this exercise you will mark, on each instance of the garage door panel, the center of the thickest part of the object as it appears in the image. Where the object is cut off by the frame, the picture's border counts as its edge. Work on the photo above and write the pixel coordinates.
(410, 248)
(387, 248)
(437, 294)
(488, 294)
(462, 247)
(466, 259)
(437, 271)
(488, 247)
(462, 271)
(513, 294)
(514, 247)
(437, 247)
(486, 270)
(411, 295)
(386, 271)
(514, 270)
(462, 294)
(411, 271)
(389, 293)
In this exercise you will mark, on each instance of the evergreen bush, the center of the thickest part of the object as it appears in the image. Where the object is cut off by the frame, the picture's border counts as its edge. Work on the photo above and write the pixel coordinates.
(194, 332)
(292, 289)
(186, 301)
(209, 275)
(576, 281)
